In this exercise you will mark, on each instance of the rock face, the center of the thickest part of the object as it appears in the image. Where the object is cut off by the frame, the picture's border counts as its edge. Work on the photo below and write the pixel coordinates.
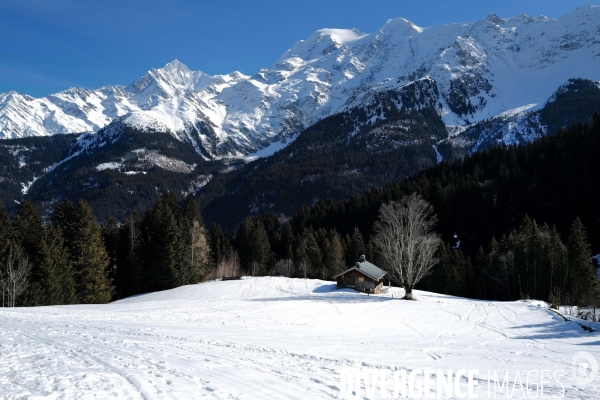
(481, 70)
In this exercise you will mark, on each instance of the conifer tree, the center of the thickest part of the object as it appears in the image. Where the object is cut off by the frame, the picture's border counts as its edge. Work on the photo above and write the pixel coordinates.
(29, 230)
(244, 242)
(163, 244)
(582, 277)
(219, 245)
(196, 262)
(558, 263)
(253, 246)
(56, 272)
(456, 270)
(7, 242)
(64, 217)
(29, 233)
(90, 261)
(333, 255)
(110, 236)
(355, 247)
(312, 252)
(129, 259)
(287, 242)
(7, 234)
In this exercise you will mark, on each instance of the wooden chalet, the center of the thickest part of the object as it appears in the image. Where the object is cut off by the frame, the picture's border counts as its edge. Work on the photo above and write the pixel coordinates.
(364, 277)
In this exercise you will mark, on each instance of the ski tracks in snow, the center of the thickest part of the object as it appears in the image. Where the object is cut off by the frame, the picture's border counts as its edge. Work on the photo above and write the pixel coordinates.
(266, 338)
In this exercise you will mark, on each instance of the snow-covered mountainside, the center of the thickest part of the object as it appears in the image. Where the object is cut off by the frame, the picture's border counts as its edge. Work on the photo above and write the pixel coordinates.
(261, 338)
(575, 101)
(482, 69)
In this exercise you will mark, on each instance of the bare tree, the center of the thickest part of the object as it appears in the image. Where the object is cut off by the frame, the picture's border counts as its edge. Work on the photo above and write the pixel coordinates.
(285, 267)
(4, 285)
(405, 241)
(229, 267)
(14, 277)
(254, 268)
(302, 257)
(199, 250)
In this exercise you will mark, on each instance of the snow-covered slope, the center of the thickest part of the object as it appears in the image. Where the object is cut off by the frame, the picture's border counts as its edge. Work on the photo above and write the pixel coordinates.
(281, 338)
(482, 69)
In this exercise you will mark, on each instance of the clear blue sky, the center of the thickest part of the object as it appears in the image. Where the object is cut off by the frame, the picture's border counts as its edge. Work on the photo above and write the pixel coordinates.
(49, 45)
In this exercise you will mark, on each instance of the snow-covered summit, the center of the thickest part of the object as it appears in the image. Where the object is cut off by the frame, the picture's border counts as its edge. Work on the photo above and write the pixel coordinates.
(322, 42)
(481, 69)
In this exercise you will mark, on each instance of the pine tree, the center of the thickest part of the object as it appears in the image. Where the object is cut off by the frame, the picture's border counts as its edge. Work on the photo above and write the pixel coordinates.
(163, 244)
(582, 277)
(129, 259)
(7, 234)
(253, 246)
(64, 217)
(110, 236)
(558, 263)
(333, 255)
(7, 243)
(262, 247)
(56, 272)
(195, 265)
(287, 242)
(244, 243)
(355, 247)
(29, 232)
(90, 261)
(312, 253)
(219, 245)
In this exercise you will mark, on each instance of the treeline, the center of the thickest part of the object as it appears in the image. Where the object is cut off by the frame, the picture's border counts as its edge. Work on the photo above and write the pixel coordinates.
(61, 262)
(266, 245)
(532, 262)
(72, 259)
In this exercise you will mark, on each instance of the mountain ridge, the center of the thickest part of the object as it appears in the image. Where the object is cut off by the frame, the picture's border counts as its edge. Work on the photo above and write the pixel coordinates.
(482, 69)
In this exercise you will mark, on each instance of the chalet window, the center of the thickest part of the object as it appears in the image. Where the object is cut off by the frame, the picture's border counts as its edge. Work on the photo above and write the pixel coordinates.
(361, 278)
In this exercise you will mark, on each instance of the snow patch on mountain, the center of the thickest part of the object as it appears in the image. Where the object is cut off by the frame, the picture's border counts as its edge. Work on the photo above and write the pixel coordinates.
(108, 165)
(148, 158)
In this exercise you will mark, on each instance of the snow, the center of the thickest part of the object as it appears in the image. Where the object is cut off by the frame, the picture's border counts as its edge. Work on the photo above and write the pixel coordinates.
(267, 151)
(26, 186)
(438, 156)
(108, 165)
(510, 64)
(267, 337)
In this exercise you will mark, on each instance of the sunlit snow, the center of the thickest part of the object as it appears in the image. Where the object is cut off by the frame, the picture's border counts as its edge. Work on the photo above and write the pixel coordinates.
(267, 337)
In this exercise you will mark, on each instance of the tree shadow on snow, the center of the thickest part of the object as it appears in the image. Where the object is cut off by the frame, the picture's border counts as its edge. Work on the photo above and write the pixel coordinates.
(556, 329)
(331, 288)
(333, 295)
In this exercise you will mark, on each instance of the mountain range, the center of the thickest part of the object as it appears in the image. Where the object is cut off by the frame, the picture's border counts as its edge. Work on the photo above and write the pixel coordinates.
(418, 95)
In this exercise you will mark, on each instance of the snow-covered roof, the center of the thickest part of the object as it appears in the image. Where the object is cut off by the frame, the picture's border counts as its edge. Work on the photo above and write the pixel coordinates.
(366, 268)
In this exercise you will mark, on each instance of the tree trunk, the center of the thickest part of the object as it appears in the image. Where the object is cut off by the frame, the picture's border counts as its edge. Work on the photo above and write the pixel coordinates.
(408, 293)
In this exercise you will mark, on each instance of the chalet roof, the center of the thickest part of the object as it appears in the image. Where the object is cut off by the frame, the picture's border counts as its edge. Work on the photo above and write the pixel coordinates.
(365, 267)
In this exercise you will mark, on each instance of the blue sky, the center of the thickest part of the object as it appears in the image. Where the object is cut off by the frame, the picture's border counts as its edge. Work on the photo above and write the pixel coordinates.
(50, 45)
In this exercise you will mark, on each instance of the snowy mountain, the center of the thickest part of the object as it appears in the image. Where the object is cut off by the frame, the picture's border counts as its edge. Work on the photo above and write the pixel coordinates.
(481, 70)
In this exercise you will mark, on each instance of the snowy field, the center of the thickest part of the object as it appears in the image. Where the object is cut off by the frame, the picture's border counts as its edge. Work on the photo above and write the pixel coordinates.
(278, 338)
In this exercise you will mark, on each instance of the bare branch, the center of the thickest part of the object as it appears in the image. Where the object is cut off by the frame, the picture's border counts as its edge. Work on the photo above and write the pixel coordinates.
(405, 241)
